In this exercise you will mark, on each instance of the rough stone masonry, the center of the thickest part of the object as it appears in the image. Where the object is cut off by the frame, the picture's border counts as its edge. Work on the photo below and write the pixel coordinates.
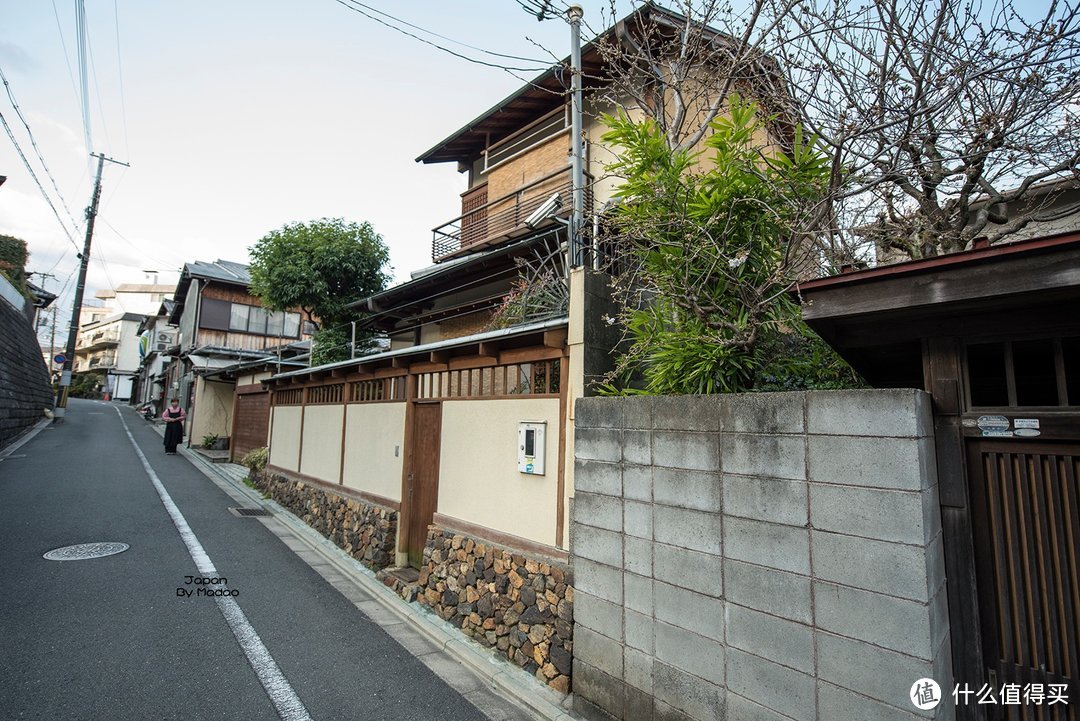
(25, 391)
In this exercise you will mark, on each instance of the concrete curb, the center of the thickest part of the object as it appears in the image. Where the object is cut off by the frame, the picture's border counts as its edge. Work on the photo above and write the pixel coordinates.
(25, 438)
(501, 676)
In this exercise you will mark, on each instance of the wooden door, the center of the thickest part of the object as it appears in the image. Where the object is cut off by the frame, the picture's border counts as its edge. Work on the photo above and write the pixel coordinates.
(1026, 503)
(423, 477)
(251, 425)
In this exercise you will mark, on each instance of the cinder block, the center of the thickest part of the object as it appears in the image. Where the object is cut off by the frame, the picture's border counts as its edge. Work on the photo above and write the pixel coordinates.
(694, 696)
(777, 687)
(637, 411)
(696, 530)
(596, 691)
(690, 652)
(699, 490)
(902, 412)
(687, 413)
(599, 651)
(638, 704)
(743, 709)
(638, 669)
(637, 447)
(767, 544)
(597, 477)
(637, 519)
(598, 545)
(598, 511)
(696, 571)
(872, 671)
(890, 568)
(663, 712)
(598, 444)
(597, 614)
(639, 630)
(766, 499)
(638, 483)
(773, 638)
(840, 704)
(598, 413)
(639, 593)
(868, 512)
(897, 462)
(601, 581)
(881, 620)
(765, 456)
(931, 513)
(684, 449)
(637, 555)
(776, 592)
(704, 615)
(763, 413)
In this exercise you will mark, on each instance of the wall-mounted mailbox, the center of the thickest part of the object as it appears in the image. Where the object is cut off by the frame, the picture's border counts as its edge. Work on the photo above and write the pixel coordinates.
(531, 438)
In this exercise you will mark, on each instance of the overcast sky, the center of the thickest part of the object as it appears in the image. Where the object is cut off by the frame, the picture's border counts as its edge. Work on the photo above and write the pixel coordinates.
(238, 117)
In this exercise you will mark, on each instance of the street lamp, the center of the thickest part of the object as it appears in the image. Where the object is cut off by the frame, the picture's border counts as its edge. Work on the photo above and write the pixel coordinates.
(574, 14)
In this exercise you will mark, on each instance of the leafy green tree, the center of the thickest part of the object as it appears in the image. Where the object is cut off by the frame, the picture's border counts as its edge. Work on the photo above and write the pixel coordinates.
(713, 240)
(320, 266)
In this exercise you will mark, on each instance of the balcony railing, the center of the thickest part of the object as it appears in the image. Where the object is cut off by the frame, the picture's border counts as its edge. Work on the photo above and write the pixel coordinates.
(107, 360)
(99, 339)
(487, 222)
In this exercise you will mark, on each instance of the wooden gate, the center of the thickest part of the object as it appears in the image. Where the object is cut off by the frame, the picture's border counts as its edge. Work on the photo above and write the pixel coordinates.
(251, 423)
(1026, 504)
(422, 481)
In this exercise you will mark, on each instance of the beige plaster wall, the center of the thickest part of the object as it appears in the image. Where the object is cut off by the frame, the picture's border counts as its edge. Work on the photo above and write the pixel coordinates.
(321, 456)
(285, 436)
(478, 477)
(213, 410)
(375, 448)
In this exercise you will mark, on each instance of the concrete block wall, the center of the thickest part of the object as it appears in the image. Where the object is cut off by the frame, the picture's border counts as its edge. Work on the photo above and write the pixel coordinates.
(758, 557)
(25, 391)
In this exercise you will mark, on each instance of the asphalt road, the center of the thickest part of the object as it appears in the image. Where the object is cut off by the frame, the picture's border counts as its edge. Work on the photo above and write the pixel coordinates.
(109, 638)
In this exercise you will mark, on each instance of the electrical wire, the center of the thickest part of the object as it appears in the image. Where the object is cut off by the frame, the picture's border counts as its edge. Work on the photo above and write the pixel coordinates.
(33, 175)
(120, 69)
(63, 46)
(353, 5)
(37, 150)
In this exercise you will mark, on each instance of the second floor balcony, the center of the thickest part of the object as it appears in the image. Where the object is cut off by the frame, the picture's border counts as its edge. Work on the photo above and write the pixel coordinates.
(103, 338)
(486, 222)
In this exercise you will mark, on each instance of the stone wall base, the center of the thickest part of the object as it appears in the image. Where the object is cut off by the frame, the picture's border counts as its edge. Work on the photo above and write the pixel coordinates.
(521, 607)
(365, 531)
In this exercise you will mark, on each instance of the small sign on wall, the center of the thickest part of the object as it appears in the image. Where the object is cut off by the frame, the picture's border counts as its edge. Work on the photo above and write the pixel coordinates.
(531, 446)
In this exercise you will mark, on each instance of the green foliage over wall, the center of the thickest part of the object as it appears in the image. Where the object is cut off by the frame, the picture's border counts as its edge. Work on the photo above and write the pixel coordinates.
(13, 255)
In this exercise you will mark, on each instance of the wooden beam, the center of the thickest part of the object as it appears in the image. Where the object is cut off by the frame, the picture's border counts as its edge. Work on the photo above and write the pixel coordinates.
(339, 373)
(399, 362)
(489, 348)
(528, 355)
(427, 367)
(555, 338)
(438, 356)
(472, 361)
(390, 372)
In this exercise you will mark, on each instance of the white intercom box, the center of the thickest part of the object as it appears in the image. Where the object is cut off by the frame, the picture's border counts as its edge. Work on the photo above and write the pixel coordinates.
(531, 444)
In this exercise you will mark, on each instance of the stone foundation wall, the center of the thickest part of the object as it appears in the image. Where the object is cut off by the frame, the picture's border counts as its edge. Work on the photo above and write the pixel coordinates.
(521, 607)
(365, 531)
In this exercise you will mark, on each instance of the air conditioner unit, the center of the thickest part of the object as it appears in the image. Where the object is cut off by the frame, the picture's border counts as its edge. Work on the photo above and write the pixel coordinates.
(161, 346)
(164, 337)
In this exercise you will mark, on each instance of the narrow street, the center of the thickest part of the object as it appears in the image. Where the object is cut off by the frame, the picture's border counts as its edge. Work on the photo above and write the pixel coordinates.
(119, 637)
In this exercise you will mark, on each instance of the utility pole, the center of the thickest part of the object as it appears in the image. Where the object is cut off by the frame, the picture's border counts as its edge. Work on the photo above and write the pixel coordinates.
(577, 219)
(84, 261)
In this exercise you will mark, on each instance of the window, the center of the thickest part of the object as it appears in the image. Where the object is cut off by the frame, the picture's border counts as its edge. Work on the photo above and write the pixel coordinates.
(1040, 372)
(253, 319)
(239, 318)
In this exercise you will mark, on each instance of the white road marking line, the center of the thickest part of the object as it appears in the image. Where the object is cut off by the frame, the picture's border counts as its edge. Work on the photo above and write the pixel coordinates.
(287, 704)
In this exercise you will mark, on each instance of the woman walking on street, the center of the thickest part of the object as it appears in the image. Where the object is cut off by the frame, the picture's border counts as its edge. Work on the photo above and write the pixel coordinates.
(174, 426)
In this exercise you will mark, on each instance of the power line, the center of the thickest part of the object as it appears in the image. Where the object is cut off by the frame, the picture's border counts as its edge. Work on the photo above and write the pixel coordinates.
(352, 5)
(63, 46)
(37, 150)
(120, 70)
(33, 175)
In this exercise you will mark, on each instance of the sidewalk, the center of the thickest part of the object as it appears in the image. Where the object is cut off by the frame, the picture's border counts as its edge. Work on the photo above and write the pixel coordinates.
(501, 690)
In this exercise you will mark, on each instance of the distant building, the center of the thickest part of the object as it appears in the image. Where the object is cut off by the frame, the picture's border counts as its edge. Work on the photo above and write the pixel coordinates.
(108, 340)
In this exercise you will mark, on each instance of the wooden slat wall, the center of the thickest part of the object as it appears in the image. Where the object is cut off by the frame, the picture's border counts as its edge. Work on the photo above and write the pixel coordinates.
(252, 423)
(1030, 503)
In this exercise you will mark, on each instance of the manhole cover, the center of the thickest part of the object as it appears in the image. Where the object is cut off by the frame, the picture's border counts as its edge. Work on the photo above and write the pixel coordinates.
(83, 551)
(249, 511)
